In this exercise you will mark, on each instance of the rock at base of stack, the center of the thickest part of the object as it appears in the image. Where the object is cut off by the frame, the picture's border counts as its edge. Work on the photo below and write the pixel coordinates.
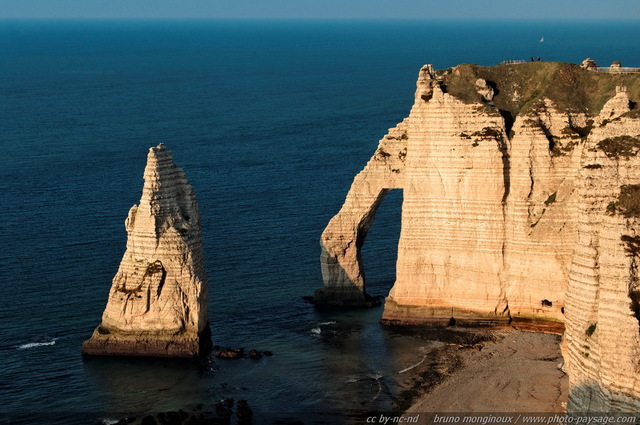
(158, 300)
(105, 343)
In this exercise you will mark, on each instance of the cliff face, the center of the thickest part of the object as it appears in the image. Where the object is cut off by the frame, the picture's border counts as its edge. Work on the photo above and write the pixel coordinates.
(602, 331)
(519, 203)
(158, 300)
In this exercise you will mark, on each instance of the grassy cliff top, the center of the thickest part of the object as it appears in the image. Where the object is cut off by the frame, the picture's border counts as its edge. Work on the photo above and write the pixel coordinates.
(517, 87)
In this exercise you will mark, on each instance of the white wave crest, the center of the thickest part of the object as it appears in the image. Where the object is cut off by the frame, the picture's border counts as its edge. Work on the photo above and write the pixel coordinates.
(316, 331)
(36, 344)
(415, 365)
(327, 323)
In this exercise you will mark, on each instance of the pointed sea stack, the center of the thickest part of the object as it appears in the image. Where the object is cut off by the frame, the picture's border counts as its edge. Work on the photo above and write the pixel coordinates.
(158, 300)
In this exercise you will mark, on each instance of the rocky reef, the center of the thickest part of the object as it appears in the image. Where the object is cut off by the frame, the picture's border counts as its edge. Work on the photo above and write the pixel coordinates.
(521, 186)
(158, 300)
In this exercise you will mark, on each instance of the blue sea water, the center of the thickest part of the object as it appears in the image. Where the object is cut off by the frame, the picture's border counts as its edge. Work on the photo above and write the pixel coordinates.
(270, 121)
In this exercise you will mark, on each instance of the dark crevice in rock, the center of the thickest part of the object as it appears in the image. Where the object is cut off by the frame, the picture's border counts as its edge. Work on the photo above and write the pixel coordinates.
(506, 167)
(509, 119)
(549, 136)
(634, 287)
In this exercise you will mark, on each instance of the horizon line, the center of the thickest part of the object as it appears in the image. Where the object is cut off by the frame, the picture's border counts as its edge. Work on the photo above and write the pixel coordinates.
(323, 19)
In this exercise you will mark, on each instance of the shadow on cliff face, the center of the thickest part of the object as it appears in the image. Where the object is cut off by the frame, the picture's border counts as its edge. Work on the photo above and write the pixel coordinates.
(590, 399)
(509, 119)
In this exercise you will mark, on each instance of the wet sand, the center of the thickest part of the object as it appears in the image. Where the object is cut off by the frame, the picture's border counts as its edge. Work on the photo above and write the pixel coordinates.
(513, 371)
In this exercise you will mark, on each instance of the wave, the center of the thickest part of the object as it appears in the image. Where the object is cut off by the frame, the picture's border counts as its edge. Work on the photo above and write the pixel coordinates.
(415, 365)
(327, 323)
(36, 344)
(316, 331)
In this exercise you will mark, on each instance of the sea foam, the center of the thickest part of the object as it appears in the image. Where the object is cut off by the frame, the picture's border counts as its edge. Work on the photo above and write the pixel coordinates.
(36, 344)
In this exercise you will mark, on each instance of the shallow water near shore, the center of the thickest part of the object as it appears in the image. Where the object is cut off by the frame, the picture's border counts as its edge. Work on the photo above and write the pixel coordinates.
(270, 121)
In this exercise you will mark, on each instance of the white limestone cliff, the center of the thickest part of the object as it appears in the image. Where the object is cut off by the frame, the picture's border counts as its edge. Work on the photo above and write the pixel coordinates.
(157, 305)
(473, 200)
(602, 330)
(522, 216)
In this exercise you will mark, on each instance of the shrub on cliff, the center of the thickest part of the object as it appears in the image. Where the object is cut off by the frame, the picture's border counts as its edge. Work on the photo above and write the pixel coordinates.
(621, 146)
(628, 203)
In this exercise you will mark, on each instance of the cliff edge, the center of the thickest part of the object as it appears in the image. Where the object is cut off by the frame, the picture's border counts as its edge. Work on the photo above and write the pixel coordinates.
(157, 305)
(521, 187)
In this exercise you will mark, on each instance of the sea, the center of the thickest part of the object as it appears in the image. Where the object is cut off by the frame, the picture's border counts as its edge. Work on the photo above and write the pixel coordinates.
(270, 120)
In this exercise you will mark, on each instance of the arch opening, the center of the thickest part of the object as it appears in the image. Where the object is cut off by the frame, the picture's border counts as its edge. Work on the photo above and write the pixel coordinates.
(378, 256)
(342, 241)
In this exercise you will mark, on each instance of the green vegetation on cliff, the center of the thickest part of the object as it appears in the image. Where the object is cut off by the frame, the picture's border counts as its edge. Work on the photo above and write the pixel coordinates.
(519, 87)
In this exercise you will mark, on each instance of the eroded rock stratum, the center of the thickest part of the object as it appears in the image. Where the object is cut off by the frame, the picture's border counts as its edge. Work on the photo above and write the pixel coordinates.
(158, 300)
(521, 188)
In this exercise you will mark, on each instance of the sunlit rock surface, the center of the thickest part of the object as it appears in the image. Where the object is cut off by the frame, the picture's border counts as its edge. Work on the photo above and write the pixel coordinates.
(158, 300)
(521, 188)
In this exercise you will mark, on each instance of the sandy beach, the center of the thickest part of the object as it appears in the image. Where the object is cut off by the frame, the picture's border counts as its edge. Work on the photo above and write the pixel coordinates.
(510, 372)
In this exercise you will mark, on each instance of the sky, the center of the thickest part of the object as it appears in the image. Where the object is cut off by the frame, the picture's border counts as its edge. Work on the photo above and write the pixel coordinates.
(320, 9)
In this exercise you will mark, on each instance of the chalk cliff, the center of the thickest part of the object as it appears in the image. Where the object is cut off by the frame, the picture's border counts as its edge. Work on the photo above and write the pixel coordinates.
(603, 295)
(157, 305)
(521, 201)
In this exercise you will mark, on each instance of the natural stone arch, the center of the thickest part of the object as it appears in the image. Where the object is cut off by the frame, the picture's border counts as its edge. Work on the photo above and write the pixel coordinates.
(342, 240)
(504, 221)
(341, 258)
